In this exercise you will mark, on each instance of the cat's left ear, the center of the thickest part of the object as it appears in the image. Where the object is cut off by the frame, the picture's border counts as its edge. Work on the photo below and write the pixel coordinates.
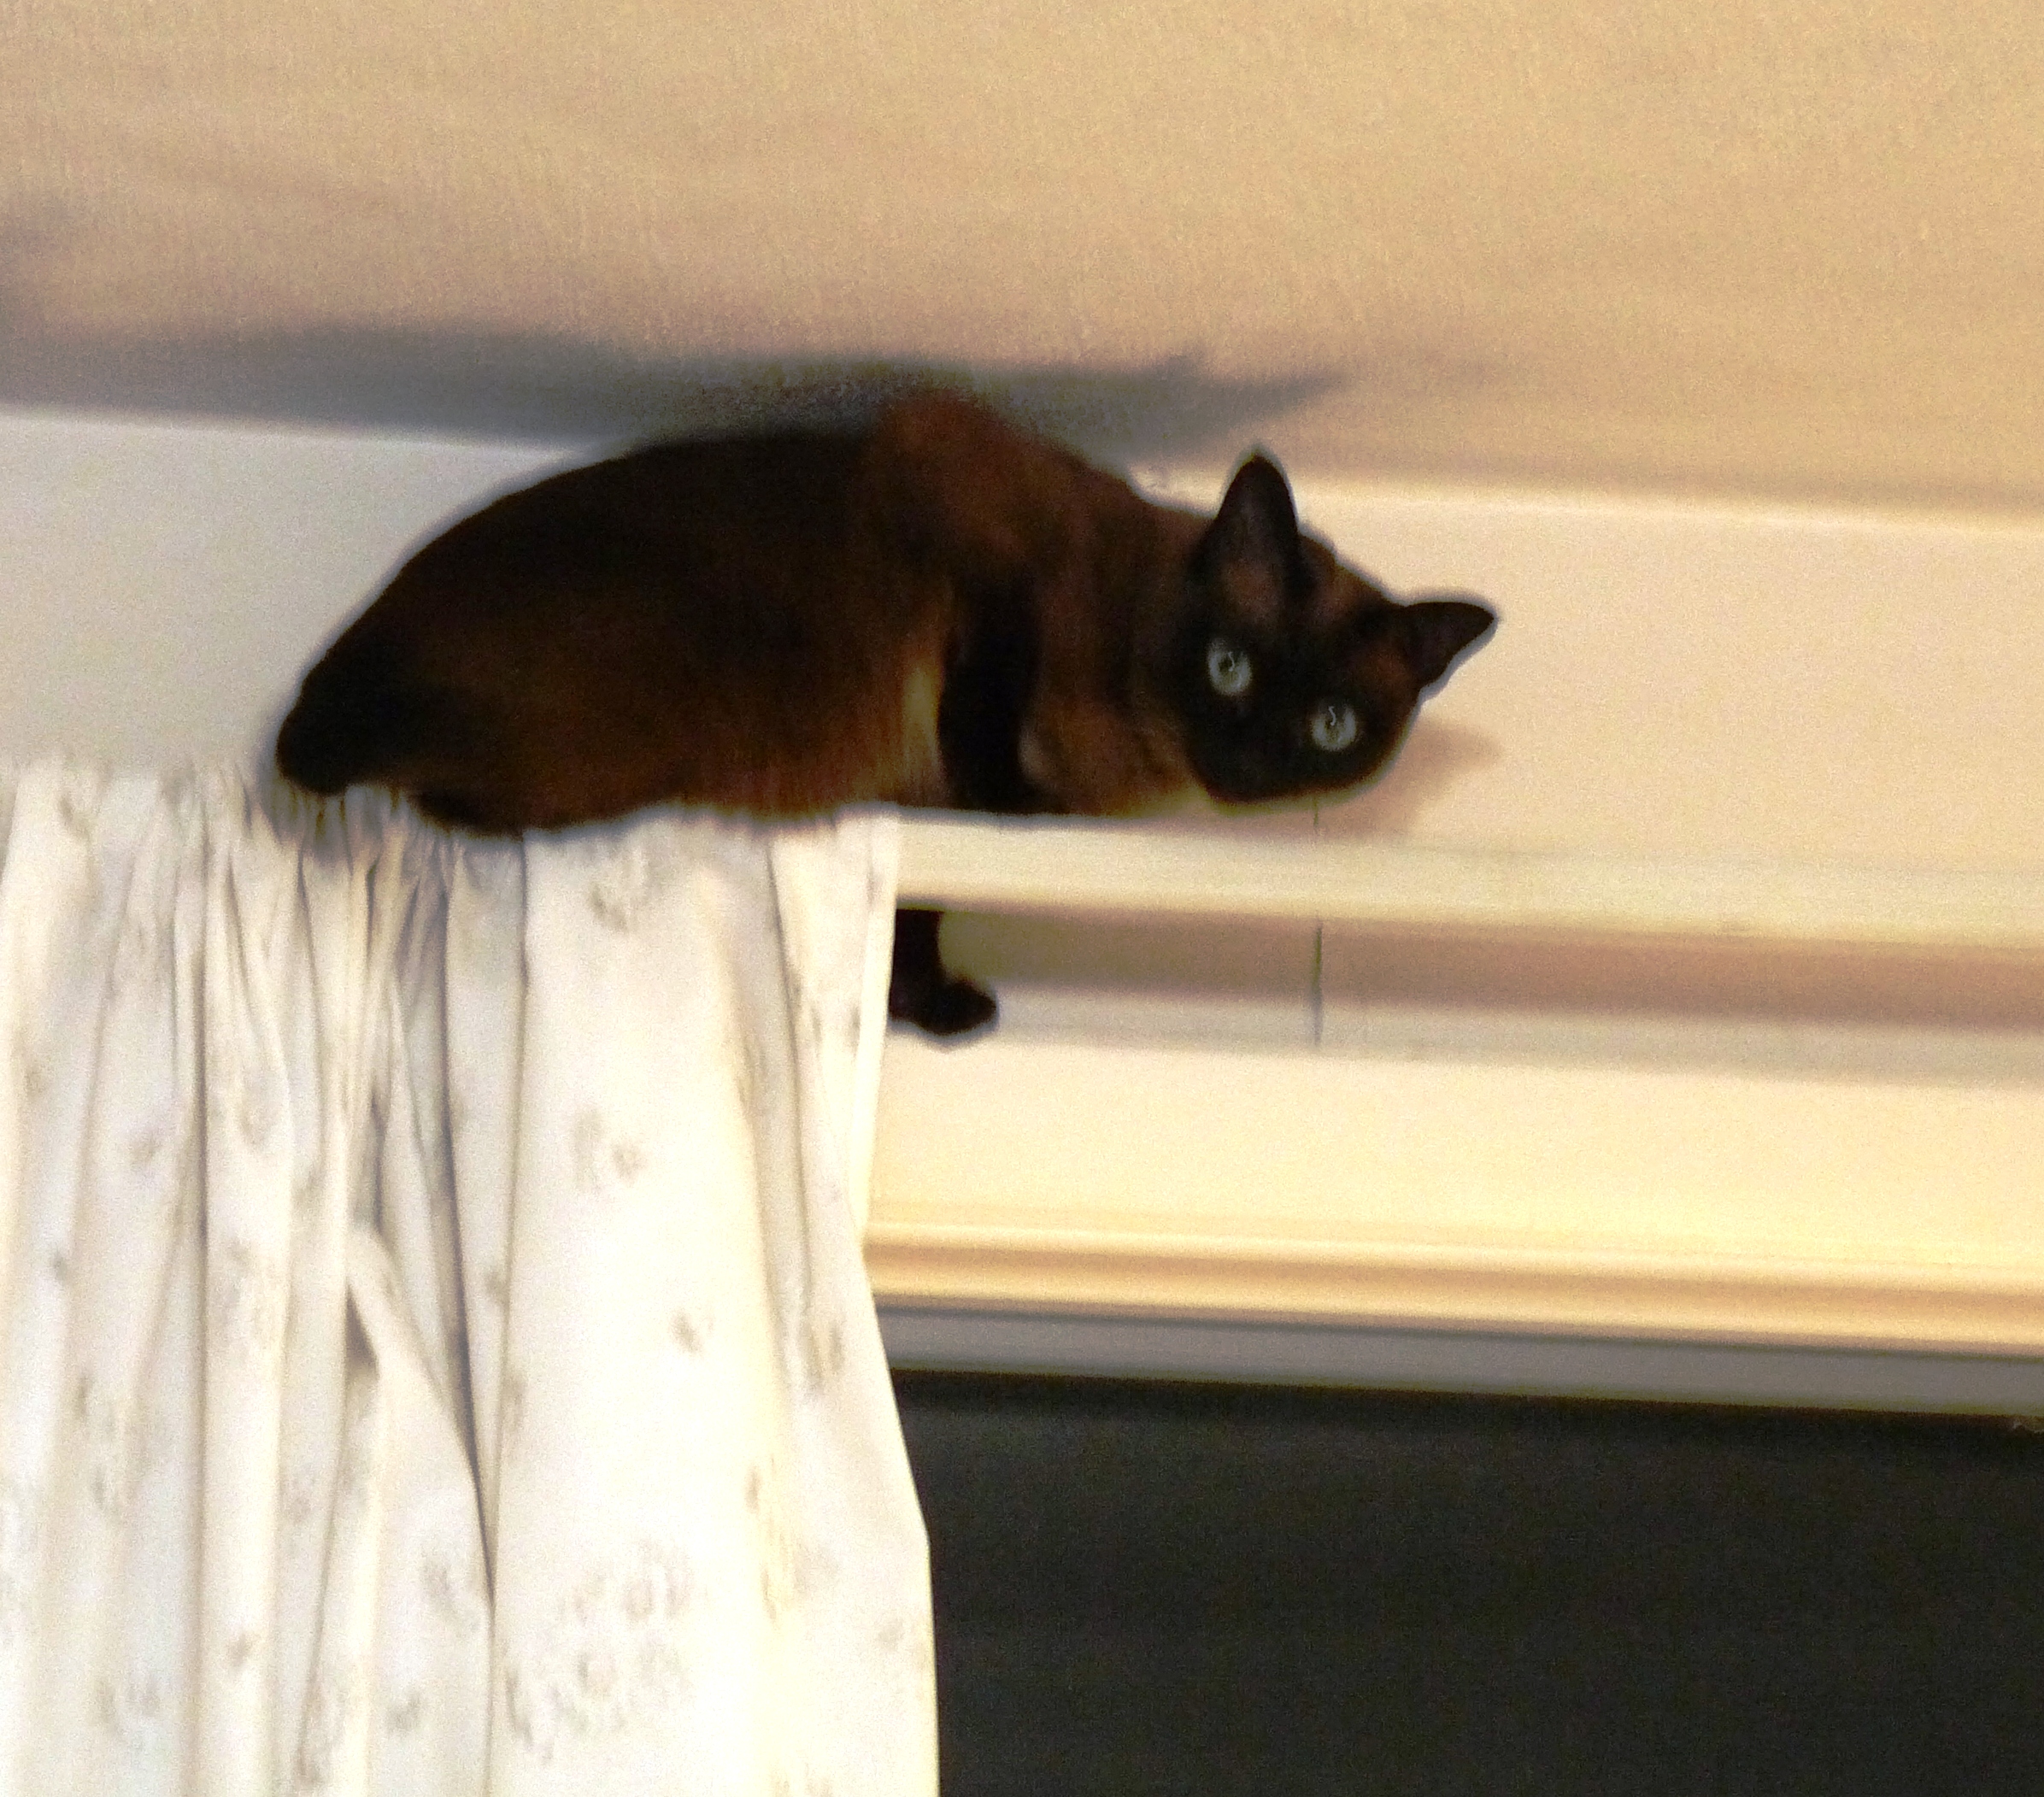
(1437, 631)
(1256, 524)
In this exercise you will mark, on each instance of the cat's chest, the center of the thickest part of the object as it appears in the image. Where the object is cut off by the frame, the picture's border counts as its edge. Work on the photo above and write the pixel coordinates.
(1097, 760)
(917, 776)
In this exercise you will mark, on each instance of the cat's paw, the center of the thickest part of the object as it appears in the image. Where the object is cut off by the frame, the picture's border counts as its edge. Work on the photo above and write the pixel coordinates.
(952, 1009)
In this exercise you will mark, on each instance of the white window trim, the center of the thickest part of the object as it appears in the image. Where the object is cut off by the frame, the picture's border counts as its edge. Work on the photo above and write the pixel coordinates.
(1243, 1187)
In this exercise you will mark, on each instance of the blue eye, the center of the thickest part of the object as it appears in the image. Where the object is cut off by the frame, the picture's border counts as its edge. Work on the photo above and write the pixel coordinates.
(1332, 726)
(1228, 669)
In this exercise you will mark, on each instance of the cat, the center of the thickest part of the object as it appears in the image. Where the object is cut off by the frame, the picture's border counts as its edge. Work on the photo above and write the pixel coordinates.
(941, 610)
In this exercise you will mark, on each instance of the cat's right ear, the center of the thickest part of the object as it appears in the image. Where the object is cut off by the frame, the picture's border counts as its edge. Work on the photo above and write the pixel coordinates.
(1257, 524)
(1437, 631)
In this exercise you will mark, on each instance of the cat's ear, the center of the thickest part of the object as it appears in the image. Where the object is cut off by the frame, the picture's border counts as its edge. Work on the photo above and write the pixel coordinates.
(1256, 524)
(1434, 632)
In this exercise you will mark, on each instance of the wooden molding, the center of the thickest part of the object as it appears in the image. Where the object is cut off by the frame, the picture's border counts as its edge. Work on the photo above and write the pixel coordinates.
(1704, 1298)
(1704, 1203)
(1162, 871)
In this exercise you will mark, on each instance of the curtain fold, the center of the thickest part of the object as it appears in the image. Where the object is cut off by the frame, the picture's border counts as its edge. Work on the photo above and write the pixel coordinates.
(437, 1351)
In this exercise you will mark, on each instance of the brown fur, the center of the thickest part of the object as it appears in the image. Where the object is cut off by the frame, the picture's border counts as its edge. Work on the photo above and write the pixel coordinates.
(943, 610)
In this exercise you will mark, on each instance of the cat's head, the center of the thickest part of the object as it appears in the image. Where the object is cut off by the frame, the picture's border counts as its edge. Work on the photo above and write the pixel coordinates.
(1290, 673)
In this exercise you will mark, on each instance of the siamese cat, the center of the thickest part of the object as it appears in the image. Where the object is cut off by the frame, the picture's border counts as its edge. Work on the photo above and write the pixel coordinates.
(941, 610)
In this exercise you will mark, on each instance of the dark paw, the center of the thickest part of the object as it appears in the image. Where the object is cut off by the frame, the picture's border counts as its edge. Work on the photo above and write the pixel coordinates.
(955, 1007)
(923, 991)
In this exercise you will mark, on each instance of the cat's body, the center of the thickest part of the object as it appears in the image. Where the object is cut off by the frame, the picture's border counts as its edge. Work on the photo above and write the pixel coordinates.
(941, 611)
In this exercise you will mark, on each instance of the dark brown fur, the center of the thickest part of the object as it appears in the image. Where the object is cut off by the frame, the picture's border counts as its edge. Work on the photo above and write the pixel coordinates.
(942, 611)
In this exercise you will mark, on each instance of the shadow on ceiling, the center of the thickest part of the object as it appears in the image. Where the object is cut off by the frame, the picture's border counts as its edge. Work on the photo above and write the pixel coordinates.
(536, 387)
(448, 381)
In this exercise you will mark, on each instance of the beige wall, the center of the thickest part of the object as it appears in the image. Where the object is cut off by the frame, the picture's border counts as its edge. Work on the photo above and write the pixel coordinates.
(1669, 680)
(1759, 247)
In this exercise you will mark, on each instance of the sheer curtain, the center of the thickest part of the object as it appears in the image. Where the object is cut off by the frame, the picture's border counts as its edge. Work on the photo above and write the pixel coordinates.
(437, 1353)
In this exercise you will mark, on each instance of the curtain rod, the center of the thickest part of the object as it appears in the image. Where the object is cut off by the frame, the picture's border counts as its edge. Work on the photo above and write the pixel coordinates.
(1026, 864)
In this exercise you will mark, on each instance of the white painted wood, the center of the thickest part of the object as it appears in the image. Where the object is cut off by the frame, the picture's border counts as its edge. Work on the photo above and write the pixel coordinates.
(164, 584)
(1696, 719)
(1701, 1202)
(1684, 682)
(1150, 871)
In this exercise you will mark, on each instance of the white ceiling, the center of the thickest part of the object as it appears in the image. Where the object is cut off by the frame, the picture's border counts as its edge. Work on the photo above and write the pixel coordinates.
(1791, 248)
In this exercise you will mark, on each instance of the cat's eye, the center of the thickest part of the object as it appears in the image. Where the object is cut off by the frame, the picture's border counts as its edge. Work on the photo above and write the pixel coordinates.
(1228, 670)
(1332, 726)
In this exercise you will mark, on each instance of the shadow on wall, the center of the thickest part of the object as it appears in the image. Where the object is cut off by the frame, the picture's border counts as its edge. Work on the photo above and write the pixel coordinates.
(1438, 756)
(445, 380)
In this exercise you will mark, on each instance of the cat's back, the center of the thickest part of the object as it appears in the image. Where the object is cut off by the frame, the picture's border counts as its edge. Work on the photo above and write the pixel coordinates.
(652, 519)
(936, 476)
(732, 620)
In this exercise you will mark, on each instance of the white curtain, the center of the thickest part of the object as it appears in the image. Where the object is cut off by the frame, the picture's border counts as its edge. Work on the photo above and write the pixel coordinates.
(437, 1353)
